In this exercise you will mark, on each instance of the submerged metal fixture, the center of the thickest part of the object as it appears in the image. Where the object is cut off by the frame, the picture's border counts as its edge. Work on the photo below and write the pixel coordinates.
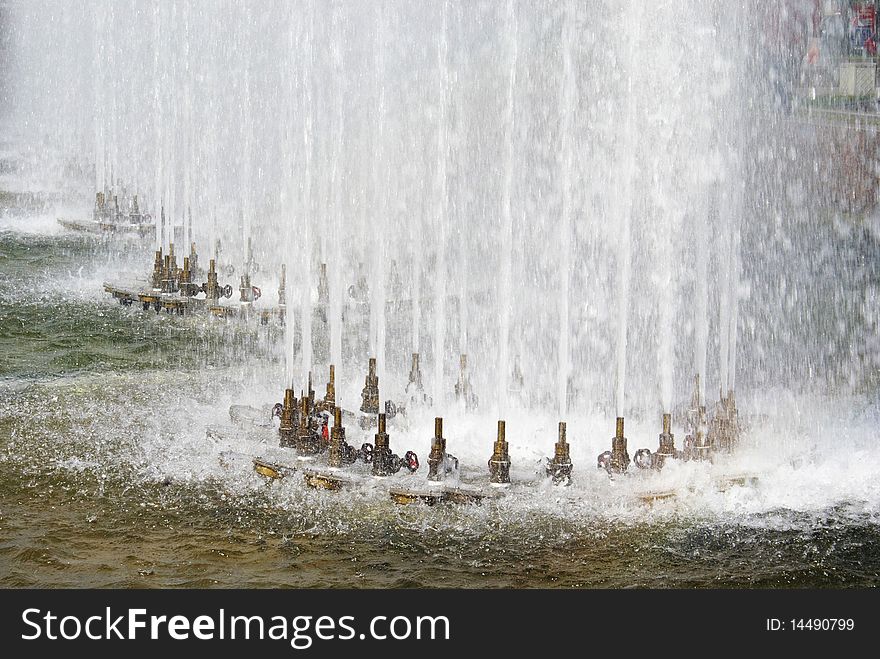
(323, 286)
(616, 460)
(271, 470)
(440, 463)
(463, 390)
(370, 392)
(559, 467)
(499, 462)
(339, 452)
(289, 420)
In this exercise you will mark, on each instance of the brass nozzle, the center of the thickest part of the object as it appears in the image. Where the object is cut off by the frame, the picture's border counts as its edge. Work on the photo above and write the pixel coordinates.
(561, 454)
(304, 411)
(337, 417)
(381, 422)
(619, 454)
(372, 366)
(559, 468)
(499, 462)
(288, 415)
(437, 456)
(667, 423)
(330, 396)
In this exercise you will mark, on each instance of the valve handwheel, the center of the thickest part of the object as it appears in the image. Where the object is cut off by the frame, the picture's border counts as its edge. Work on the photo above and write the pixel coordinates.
(227, 291)
(412, 461)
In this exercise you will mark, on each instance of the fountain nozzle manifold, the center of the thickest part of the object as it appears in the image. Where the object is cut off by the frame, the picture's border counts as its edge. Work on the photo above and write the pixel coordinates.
(616, 460)
(440, 463)
(289, 421)
(384, 461)
(339, 452)
(644, 459)
(370, 392)
(696, 442)
(559, 467)
(499, 462)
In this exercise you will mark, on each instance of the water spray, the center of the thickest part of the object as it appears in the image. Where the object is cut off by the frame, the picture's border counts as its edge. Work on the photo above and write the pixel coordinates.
(463, 390)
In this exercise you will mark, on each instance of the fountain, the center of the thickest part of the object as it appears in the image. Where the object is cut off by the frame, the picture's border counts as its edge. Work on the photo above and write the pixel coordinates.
(511, 214)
